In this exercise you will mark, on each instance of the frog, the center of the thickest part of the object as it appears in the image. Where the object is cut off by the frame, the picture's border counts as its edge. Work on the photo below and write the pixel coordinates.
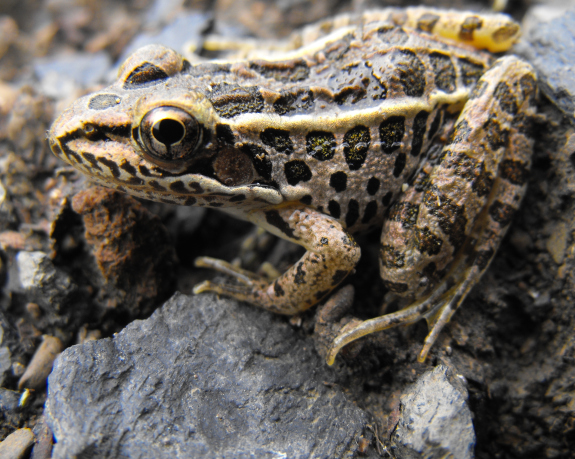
(404, 120)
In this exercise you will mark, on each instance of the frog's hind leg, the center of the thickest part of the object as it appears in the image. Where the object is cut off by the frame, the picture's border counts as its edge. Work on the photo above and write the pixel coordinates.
(494, 32)
(441, 235)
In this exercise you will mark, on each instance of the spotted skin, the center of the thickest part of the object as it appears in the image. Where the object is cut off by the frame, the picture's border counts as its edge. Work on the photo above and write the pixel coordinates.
(326, 139)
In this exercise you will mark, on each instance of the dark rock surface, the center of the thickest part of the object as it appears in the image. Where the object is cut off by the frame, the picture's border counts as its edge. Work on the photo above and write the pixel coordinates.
(435, 420)
(550, 48)
(200, 378)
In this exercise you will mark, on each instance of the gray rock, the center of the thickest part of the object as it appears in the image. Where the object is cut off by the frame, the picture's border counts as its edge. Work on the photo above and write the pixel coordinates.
(184, 30)
(8, 400)
(434, 421)
(60, 75)
(5, 361)
(202, 378)
(550, 47)
(9, 342)
(11, 414)
(37, 276)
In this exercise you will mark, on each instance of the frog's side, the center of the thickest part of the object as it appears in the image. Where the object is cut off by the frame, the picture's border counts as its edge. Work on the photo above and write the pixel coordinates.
(326, 140)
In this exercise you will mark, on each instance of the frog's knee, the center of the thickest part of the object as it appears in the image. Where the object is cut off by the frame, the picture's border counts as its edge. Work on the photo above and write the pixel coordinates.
(407, 272)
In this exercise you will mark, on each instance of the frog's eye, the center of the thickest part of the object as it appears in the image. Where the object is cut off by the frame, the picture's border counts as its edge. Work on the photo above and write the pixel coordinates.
(169, 134)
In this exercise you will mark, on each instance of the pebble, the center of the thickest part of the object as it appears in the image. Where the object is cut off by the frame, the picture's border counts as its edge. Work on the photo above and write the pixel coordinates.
(17, 444)
(41, 364)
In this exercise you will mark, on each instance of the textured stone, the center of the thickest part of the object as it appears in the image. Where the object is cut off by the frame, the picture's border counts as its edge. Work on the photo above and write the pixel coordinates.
(42, 281)
(200, 378)
(550, 47)
(435, 421)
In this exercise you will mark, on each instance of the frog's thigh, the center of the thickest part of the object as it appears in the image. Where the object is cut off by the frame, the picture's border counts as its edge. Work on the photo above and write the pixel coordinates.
(331, 255)
(438, 241)
(494, 32)
(428, 228)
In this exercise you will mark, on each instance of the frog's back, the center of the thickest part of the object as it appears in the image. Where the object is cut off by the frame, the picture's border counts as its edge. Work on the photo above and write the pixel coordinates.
(342, 123)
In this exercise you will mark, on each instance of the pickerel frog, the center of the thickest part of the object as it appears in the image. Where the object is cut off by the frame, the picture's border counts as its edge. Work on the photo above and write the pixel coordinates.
(336, 134)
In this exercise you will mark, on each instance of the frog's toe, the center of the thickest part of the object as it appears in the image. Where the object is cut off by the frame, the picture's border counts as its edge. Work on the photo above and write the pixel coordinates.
(241, 275)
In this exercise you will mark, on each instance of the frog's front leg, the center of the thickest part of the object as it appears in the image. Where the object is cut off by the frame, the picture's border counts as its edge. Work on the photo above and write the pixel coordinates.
(331, 255)
(441, 235)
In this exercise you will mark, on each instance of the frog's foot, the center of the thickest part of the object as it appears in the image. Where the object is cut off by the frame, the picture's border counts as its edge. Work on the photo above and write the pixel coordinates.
(331, 255)
(329, 322)
(248, 281)
(437, 309)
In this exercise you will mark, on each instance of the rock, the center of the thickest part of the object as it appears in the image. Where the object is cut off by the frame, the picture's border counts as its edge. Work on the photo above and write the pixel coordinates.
(201, 377)
(132, 264)
(434, 419)
(8, 400)
(5, 361)
(43, 447)
(11, 415)
(550, 47)
(189, 25)
(17, 444)
(42, 281)
(62, 75)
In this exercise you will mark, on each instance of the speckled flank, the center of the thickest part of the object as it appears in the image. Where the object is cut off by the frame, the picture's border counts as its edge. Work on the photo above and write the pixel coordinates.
(320, 145)
(419, 126)
(260, 159)
(279, 139)
(391, 132)
(297, 171)
(338, 181)
(356, 144)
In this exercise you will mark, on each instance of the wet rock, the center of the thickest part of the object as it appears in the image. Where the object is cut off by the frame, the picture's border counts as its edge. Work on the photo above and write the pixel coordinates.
(17, 444)
(200, 378)
(550, 47)
(434, 419)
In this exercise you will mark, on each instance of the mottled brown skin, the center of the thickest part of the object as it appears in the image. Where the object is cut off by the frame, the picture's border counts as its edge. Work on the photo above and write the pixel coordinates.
(328, 139)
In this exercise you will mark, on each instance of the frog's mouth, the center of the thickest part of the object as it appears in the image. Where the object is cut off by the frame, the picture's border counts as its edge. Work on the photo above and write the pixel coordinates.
(106, 155)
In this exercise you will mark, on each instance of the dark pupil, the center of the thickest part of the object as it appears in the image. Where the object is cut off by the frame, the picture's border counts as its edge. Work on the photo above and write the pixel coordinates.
(168, 131)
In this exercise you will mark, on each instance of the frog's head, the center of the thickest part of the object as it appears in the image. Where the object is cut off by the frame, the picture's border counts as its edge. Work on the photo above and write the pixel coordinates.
(152, 135)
